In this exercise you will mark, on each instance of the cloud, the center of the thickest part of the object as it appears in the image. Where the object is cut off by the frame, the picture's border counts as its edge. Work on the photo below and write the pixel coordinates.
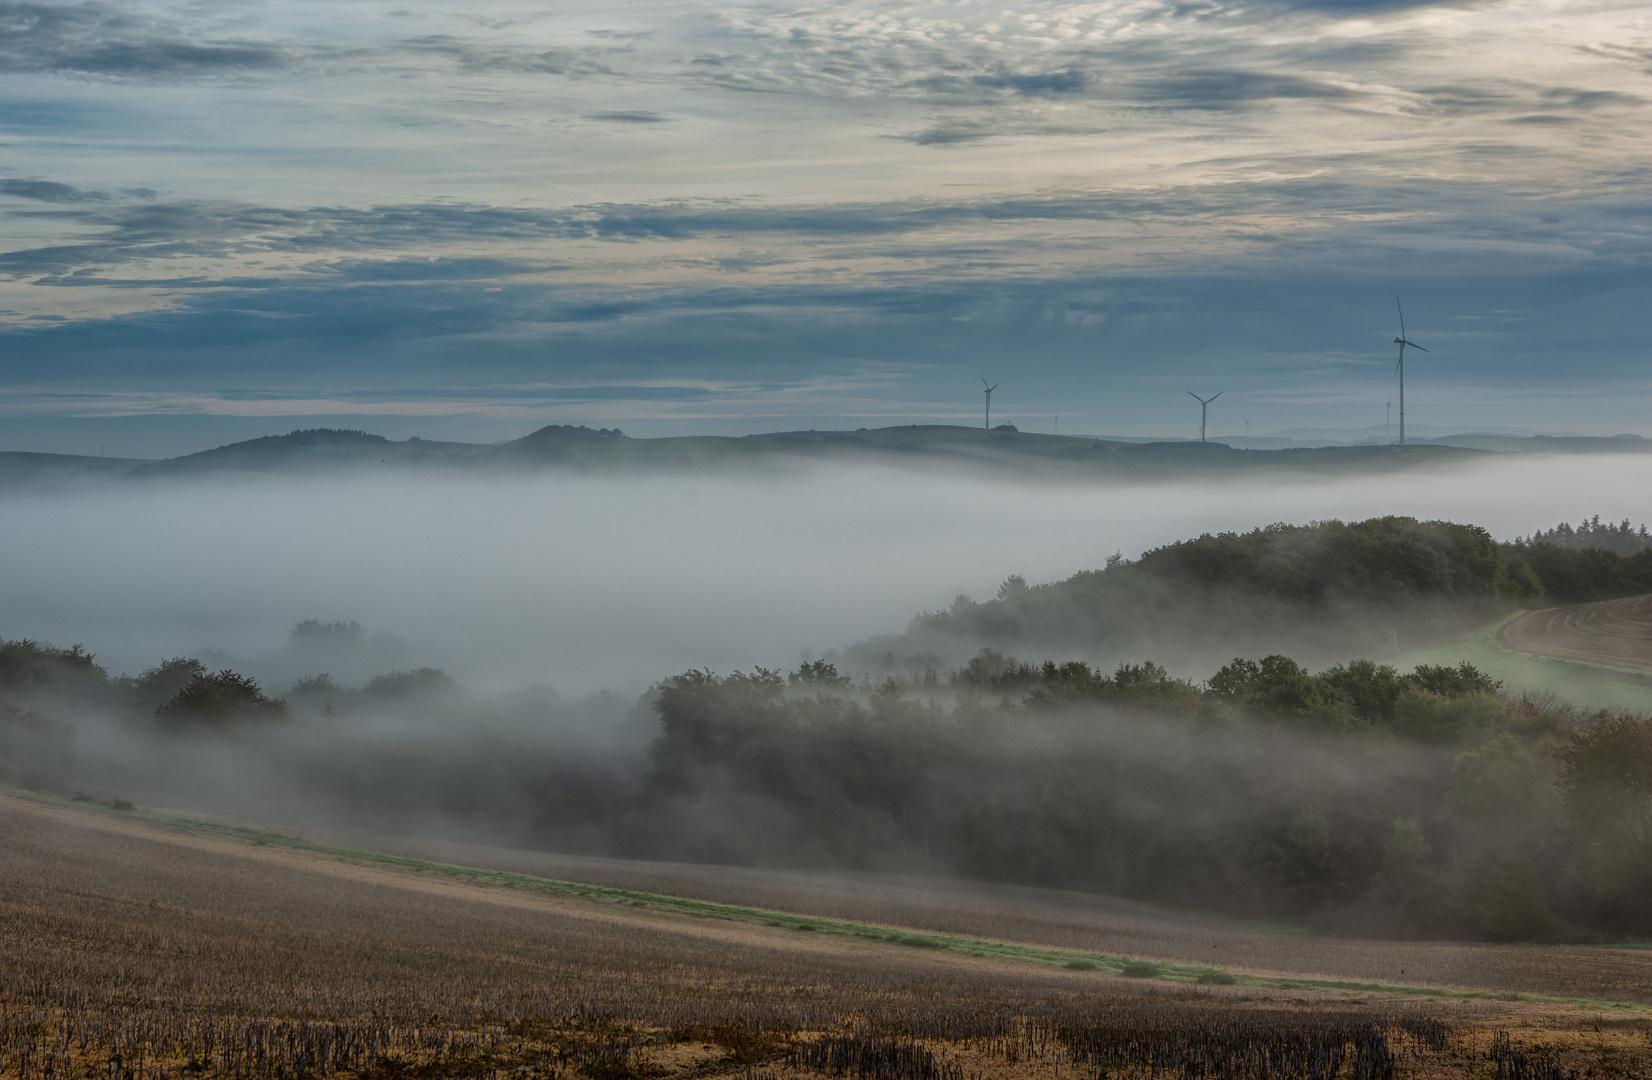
(108, 40)
(952, 132)
(1070, 81)
(1226, 89)
(434, 241)
(49, 191)
(477, 58)
(631, 116)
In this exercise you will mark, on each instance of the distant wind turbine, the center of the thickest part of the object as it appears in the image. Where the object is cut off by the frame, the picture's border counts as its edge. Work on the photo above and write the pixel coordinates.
(989, 391)
(1402, 342)
(1204, 406)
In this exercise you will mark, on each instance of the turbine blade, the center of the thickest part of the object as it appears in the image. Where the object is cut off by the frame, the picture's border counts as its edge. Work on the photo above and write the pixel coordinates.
(1414, 345)
(1195, 397)
(1217, 394)
(1402, 315)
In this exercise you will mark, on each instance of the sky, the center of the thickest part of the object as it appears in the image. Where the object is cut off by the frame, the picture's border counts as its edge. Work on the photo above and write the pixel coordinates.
(222, 219)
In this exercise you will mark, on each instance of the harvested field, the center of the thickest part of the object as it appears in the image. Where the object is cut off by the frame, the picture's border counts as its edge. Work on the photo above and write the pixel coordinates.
(1616, 633)
(137, 952)
(1081, 921)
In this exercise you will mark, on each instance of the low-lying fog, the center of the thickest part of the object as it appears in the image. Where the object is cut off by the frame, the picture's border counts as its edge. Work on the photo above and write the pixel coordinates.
(588, 582)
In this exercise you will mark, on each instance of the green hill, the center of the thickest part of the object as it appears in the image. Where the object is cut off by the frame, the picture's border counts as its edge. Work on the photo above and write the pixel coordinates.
(1319, 592)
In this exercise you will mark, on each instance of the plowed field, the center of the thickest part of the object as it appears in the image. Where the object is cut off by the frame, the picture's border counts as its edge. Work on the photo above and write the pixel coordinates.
(1617, 633)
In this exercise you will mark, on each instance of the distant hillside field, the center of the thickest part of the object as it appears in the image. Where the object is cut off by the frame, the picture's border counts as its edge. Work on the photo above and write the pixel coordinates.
(1613, 633)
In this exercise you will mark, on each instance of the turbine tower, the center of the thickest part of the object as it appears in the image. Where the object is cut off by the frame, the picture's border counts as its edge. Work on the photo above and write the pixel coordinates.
(1204, 406)
(989, 391)
(1400, 367)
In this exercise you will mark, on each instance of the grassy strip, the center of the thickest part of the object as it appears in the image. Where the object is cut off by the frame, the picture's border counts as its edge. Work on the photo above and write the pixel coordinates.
(1064, 958)
(1591, 686)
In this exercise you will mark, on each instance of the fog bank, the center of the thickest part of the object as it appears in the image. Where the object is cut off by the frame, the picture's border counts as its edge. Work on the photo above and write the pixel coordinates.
(588, 582)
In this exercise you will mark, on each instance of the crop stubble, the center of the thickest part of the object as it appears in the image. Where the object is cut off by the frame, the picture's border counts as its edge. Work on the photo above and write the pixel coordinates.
(133, 953)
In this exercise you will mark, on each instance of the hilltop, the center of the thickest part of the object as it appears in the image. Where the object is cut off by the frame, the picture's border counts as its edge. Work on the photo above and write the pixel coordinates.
(314, 450)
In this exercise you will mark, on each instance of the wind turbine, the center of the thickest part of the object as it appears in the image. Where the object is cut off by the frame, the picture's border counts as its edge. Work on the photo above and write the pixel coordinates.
(1204, 406)
(989, 391)
(1400, 367)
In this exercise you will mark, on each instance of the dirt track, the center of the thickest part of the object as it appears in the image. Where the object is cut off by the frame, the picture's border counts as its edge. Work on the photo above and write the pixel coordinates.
(1613, 632)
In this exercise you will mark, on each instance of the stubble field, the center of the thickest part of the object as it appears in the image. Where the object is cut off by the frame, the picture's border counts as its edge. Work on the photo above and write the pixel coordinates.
(135, 951)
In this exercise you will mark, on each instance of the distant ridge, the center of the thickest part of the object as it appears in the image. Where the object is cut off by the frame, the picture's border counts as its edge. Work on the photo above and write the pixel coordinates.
(27, 469)
(309, 450)
(1004, 452)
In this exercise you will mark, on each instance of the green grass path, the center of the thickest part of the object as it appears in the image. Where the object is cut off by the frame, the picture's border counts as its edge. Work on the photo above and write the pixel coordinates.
(1591, 686)
(1064, 958)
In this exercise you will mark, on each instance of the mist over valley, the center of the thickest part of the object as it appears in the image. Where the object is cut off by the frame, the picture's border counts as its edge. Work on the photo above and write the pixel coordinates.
(589, 583)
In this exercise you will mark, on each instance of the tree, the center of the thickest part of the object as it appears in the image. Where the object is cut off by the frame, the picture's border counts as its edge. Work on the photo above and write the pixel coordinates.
(1372, 688)
(161, 683)
(1278, 687)
(34, 666)
(218, 701)
(1606, 792)
(420, 682)
(818, 674)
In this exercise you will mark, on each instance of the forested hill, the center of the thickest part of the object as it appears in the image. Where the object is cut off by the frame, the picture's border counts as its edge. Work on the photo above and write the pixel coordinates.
(1320, 591)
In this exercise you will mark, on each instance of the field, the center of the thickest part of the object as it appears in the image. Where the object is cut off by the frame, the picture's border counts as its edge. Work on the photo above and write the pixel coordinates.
(1613, 633)
(136, 950)
(1530, 667)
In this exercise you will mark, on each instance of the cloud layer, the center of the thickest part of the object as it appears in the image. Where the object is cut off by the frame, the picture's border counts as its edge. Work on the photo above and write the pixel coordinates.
(825, 215)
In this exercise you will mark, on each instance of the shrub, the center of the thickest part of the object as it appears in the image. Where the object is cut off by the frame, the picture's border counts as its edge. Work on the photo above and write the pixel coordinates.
(161, 683)
(1436, 718)
(27, 666)
(422, 682)
(218, 701)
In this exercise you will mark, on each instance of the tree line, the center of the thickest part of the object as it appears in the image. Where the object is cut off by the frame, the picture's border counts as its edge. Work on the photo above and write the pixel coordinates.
(1360, 798)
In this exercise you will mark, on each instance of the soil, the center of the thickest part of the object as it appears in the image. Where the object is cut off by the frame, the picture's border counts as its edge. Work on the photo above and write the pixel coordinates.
(1616, 633)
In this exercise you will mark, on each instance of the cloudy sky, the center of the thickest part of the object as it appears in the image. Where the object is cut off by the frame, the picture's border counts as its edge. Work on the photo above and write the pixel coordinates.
(220, 218)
